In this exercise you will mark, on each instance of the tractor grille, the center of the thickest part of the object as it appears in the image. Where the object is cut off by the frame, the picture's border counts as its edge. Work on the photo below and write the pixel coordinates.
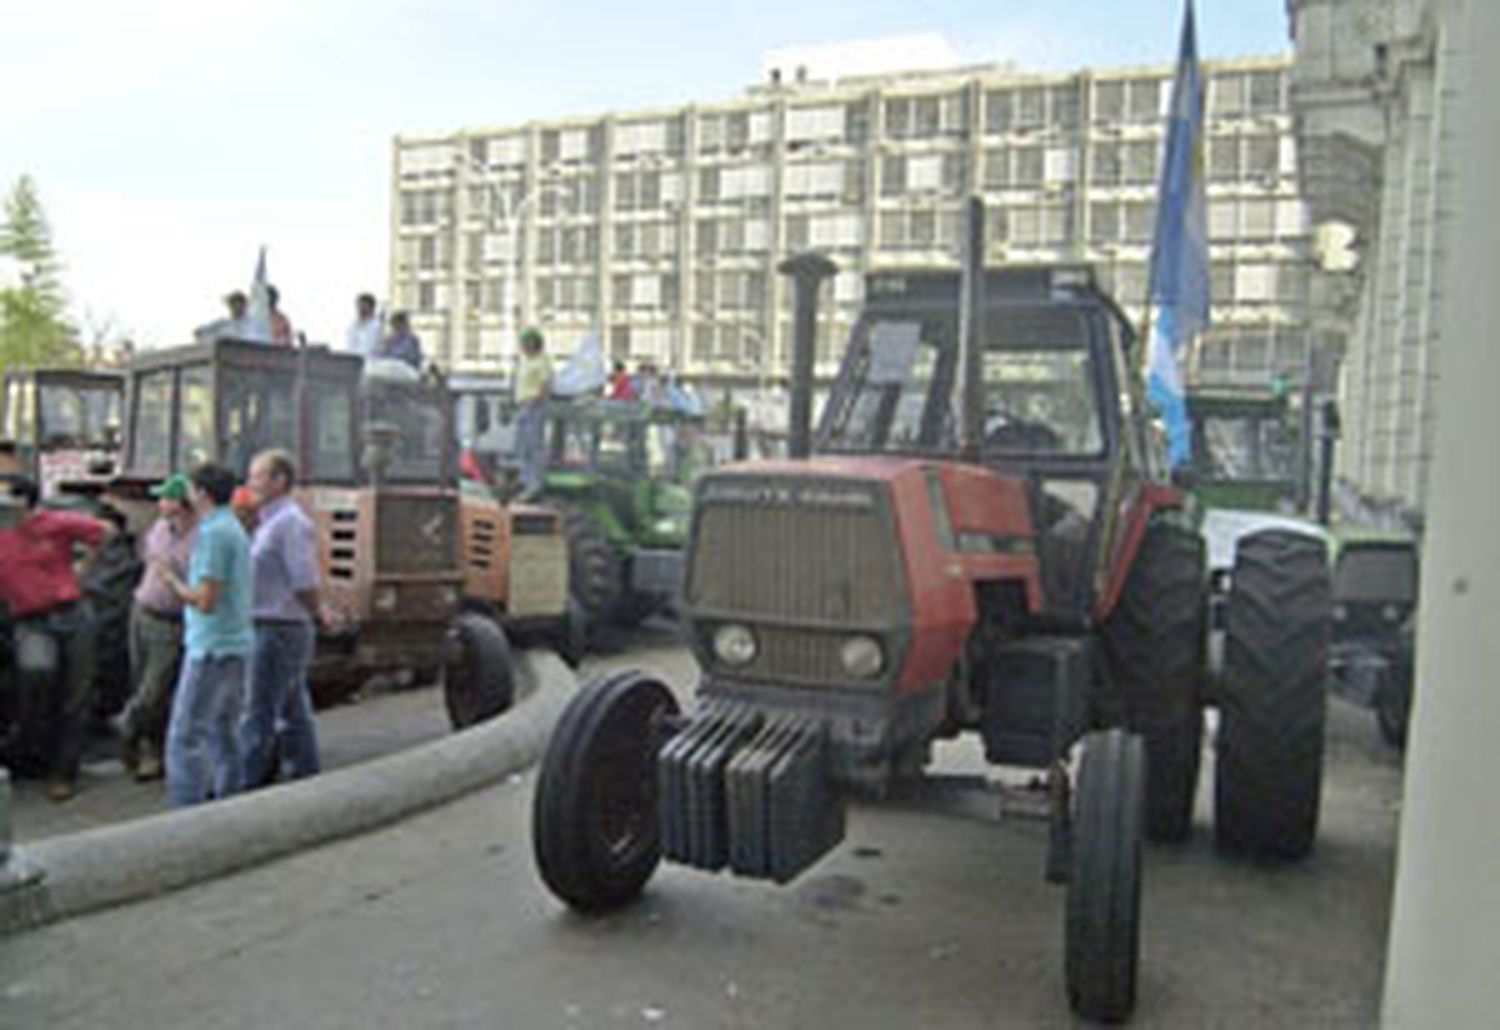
(416, 534)
(800, 566)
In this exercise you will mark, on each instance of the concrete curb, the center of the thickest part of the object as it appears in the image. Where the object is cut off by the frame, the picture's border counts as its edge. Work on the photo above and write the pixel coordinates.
(114, 865)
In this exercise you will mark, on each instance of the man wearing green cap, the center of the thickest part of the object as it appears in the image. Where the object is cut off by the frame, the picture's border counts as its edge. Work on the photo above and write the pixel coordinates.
(156, 628)
(533, 387)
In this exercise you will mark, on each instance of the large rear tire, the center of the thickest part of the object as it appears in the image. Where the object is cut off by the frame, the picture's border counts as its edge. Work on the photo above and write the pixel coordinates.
(1155, 643)
(1268, 782)
(1102, 934)
(596, 833)
(595, 571)
(480, 683)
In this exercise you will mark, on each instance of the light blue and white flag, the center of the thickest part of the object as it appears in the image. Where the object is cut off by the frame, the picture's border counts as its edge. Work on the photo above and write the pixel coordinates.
(1179, 255)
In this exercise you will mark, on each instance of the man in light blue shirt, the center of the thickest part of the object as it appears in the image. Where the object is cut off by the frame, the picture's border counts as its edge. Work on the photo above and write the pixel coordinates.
(202, 756)
(284, 556)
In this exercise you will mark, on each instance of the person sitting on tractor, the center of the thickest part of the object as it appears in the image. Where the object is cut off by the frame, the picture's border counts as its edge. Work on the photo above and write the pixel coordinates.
(53, 636)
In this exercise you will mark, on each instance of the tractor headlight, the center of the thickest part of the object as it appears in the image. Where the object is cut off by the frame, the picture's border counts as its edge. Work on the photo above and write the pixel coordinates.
(385, 599)
(735, 644)
(863, 657)
(1340, 612)
(1391, 612)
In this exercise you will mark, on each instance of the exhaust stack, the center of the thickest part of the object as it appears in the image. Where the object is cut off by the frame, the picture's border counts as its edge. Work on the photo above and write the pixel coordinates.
(971, 334)
(807, 272)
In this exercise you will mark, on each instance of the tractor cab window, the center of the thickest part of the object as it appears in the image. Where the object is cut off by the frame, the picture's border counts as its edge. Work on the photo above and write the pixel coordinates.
(1245, 448)
(331, 454)
(618, 446)
(1040, 387)
(415, 413)
(195, 429)
(893, 400)
(74, 415)
(152, 438)
(18, 409)
(260, 412)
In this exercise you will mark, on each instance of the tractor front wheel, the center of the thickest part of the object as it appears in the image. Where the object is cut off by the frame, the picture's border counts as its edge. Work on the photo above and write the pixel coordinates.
(1268, 780)
(479, 682)
(595, 829)
(1102, 934)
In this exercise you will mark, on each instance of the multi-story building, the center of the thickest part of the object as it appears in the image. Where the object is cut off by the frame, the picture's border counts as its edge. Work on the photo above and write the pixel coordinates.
(662, 229)
(1374, 89)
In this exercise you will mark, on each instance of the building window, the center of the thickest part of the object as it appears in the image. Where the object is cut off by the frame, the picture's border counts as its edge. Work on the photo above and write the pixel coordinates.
(927, 117)
(1030, 167)
(892, 176)
(1104, 223)
(1109, 102)
(1031, 107)
(898, 117)
(1106, 168)
(1265, 92)
(857, 122)
(1065, 107)
(708, 184)
(1140, 162)
(1140, 221)
(426, 297)
(1144, 100)
(624, 240)
(1223, 159)
(1226, 95)
(996, 168)
(1262, 157)
(997, 111)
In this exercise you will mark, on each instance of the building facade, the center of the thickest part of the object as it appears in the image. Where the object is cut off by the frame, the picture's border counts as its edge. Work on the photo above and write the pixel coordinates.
(1374, 89)
(662, 229)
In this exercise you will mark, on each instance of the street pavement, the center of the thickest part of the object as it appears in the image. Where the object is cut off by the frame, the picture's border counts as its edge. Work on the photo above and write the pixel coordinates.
(918, 920)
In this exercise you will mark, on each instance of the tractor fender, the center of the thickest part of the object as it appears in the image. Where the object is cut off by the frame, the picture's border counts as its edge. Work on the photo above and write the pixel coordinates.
(1224, 528)
(1139, 509)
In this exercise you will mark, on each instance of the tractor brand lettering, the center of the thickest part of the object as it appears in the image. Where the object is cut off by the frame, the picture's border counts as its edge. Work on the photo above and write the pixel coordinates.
(787, 495)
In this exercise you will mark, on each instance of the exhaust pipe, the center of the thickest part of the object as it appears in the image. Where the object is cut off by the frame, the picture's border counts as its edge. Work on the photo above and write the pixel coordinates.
(971, 334)
(807, 272)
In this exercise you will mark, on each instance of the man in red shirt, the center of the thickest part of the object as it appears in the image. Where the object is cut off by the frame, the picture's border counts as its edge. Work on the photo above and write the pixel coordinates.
(53, 640)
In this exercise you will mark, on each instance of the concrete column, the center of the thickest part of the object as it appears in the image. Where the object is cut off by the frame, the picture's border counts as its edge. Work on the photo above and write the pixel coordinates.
(1445, 926)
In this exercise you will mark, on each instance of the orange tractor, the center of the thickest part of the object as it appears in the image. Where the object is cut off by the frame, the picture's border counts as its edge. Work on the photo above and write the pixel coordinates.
(980, 543)
(423, 574)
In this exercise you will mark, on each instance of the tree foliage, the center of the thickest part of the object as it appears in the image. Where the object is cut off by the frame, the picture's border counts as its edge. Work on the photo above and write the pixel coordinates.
(34, 328)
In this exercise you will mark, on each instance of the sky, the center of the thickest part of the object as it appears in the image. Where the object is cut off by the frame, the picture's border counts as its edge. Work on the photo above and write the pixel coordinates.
(171, 139)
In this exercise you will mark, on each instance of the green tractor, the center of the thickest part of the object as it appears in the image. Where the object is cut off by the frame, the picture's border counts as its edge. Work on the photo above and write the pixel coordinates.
(621, 472)
(1253, 469)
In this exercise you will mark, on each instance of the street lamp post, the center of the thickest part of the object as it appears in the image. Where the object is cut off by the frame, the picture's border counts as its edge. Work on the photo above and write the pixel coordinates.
(504, 213)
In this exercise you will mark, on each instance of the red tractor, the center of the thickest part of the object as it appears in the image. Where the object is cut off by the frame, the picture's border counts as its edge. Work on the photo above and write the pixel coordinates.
(980, 543)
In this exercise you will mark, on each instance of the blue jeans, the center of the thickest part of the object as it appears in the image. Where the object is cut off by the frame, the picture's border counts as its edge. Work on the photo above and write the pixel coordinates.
(531, 445)
(277, 707)
(203, 759)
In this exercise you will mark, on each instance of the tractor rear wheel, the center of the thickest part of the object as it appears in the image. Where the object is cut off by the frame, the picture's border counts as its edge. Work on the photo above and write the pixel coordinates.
(1102, 934)
(595, 571)
(1268, 781)
(595, 831)
(1155, 643)
(480, 682)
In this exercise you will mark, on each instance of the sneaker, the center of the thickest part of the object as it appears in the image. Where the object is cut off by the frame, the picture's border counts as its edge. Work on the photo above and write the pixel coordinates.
(149, 769)
(61, 788)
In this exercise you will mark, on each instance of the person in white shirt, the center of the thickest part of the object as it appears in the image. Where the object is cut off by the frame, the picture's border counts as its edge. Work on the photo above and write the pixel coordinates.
(366, 331)
(238, 326)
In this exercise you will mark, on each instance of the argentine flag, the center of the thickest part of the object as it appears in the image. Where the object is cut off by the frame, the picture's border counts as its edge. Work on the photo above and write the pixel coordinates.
(1179, 254)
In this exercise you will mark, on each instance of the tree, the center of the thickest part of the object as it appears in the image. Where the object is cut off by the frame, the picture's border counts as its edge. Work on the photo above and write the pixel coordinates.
(34, 329)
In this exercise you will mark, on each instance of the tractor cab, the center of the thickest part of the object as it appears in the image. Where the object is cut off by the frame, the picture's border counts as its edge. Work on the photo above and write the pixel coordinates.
(61, 427)
(417, 574)
(1246, 451)
(1058, 411)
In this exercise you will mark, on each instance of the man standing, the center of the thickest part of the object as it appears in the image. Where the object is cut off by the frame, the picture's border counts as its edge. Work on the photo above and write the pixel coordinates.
(365, 332)
(402, 344)
(281, 326)
(53, 640)
(156, 629)
(533, 387)
(284, 555)
(202, 756)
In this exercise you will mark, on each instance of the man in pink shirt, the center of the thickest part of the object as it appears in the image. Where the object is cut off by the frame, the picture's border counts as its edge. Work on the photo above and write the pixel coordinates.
(156, 629)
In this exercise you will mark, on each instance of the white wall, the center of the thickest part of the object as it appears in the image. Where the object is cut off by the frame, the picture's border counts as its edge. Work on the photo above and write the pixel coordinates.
(1444, 960)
